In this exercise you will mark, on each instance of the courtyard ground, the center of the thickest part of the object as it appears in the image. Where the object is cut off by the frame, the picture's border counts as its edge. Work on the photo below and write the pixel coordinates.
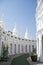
(21, 60)
(9, 61)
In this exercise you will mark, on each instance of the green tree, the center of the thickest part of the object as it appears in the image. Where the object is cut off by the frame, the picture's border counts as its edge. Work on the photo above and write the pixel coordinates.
(4, 52)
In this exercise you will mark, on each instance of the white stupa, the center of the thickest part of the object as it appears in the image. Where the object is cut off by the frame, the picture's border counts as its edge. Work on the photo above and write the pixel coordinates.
(27, 36)
(15, 33)
(2, 24)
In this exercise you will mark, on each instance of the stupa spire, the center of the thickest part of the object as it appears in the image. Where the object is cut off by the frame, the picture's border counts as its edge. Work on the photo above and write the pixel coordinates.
(2, 18)
(2, 24)
(27, 36)
(15, 33)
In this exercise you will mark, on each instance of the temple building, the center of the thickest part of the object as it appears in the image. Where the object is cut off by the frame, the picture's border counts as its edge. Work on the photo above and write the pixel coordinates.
(20, 45)
(16, 44)
(39, 29)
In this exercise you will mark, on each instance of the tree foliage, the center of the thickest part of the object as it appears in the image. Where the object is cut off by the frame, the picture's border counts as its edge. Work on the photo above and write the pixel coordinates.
(4, 52)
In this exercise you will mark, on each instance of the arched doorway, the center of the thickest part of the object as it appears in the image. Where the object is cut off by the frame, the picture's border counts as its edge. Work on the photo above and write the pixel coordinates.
(15, 48)
(19, 48)
(26, 48)
(42, 44)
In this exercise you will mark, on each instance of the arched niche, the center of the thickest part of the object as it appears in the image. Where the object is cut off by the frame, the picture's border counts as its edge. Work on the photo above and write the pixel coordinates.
(42, 44)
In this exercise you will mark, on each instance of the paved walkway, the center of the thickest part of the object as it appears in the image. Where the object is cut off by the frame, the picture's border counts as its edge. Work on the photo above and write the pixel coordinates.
(38, 63)
(33, 63)
(9, 61)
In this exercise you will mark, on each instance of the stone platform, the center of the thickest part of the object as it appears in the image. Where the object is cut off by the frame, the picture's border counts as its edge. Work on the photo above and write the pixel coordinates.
(34, 63)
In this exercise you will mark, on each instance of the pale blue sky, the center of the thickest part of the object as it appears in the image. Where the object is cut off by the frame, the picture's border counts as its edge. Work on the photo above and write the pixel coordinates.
(21, 12)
